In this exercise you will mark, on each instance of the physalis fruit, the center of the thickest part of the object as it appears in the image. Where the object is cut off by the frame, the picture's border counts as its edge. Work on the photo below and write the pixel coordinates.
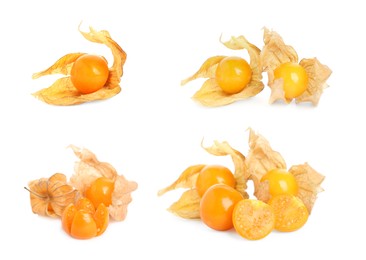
(214, 174)
(230, 78)
(100, 191)
(89, 73)
(217, 205)
(233, 74)
(88, 77)
(83, 220)
(288, 78)
(281, 181)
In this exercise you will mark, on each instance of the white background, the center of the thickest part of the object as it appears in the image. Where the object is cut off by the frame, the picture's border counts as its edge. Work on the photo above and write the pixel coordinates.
(152, 130)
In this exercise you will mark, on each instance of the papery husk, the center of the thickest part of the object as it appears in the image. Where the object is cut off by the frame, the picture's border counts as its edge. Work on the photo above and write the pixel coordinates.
(309, 182)
(63, 93)
(89, 168)
(207, 69)
(318, 74)
(276, 52)
(61, 66)
(121, 197)
(261, 158)
(210, 94)
(186, 180)
(241, 172)
(50, 196)
(188, 205)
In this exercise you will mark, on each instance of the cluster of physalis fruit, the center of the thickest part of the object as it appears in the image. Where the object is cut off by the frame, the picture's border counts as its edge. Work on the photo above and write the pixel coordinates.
(284, 197)
(85, 203)
(232, 78)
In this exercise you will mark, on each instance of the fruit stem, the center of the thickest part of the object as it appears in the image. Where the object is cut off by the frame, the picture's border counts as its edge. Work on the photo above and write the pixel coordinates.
(36, 194)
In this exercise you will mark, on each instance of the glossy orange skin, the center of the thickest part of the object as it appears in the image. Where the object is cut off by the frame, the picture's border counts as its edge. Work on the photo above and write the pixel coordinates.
(89, 73)
(100, 191)
(216, 206)
(295, 78)
(82, 221)
(214, 174)
(281, 182)
(233, 74)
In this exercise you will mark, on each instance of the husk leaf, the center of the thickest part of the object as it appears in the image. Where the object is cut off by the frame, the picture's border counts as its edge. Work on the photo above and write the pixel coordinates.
(63, 93)
(261, 157)
(188, 205)
(210, 94)
(89, 168)
(207, 69)
(187, 179)
(121, 197)
(309, 182)
(318, 74)
(275, 51)
(50, 196)
(61, 66)
(241, 172)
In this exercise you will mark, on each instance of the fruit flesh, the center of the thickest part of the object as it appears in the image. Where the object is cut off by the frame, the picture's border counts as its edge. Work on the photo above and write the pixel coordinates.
(290, 212)
(82, 221)
(253, 219)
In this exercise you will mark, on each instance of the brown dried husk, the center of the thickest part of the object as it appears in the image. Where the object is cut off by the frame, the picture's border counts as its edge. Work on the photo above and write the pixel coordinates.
(89, 168)
(276, 52)
(50, 196)
(188, 204)
(262, 158)
(63, 93)
(210, 94)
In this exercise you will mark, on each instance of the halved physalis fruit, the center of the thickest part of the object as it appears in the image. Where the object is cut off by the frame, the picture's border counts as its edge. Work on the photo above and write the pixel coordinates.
(253, 219)
(88, 77)
(290, 212)
(229, 78)
(288, 78)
